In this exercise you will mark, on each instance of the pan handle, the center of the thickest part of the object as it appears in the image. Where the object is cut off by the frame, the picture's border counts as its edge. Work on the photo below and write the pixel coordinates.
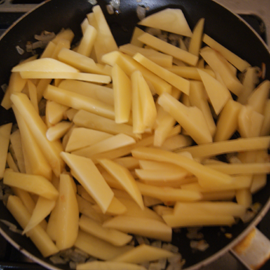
(253, 250)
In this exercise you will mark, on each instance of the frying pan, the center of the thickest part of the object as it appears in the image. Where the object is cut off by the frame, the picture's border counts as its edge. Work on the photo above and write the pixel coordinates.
(224, 26)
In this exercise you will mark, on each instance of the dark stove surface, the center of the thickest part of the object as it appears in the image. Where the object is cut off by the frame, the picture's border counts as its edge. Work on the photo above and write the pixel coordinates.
(10, 257)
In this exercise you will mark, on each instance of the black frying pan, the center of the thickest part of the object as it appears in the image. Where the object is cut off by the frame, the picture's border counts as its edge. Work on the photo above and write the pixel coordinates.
(221, 24)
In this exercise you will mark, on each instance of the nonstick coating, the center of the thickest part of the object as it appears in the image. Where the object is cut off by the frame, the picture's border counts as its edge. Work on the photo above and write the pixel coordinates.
(221, 24)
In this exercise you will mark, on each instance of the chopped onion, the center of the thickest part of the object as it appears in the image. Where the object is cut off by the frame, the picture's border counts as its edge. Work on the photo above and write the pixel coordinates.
(19, 50)
(157, 244)
(4, 87)
(170, 247)
(141, 11)
(201, 245)
(110, 9)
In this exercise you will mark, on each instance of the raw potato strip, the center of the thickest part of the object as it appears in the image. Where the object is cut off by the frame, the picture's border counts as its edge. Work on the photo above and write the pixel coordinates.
(105, 42)
(210, 208)
(42, 209)
(230, 56)
(99, 248)
(54, 112)
(190, 118)
(57, 131)
(93, 121)
(16, 144)
(129, 65)
(176, 221)
(206, 176)
(190, 72)
(219, 65)
(112, 236)
(111, 143)
(33, 183)
(140, 226)
(67, 224)
(82, 62)
(78, 101)
(51, 150)
(87, 41)
(250, 168)
(4, 143)
(237, 145)
(15, 85)
(122, 95)
(175, 80)
(161, 59)
(170, 20)
(218, 94)
(196, 38)
(143, 253)
(100, 265)
(82, 137)
(90, 178)
(124, 178)
(92, 90)
(169, 49)
(38, 236)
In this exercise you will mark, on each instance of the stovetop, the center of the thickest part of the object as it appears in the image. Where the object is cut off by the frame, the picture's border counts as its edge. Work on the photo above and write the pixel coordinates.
(255, 12)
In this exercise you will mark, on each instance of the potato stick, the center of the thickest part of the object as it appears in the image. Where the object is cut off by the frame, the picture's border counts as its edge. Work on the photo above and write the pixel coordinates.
(51, 150)
(33, 94)
(97, 122)
(218, 64)
(83, 63)
(112, 236)
(129, 65)
(109, 144)
(87, 41)
(38, 236)
(237, 145)
(54, 112)
(189, 72)
(163, 210)
(105, 41)
(168, 193)
(258, 182)
(11, 163)
(63, 43)
(225, 195)
(87, 209)
(42, 209)
(16, 144)
(128, 162)
(175, 80)
(78, 101)
(83, 137)
(99, 248)
(159, 176)
(123, 151)
(143, 253)
(239, 182)
(250, 168)
(33, 183)
(190, 118)
(38, 164)
(57, 131)
(198, 220)
(169, 49)
(230, 56)
(96, 91)
(196, 38)
(124, 178)
(266, 121)
(95, 265)
(209, 208)
(122, 95)
(15, 85)
(206, 176)
(244, 197)
(134, 210)
(161, 59)
(90, 178)
(140, 226)
(4, 143)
